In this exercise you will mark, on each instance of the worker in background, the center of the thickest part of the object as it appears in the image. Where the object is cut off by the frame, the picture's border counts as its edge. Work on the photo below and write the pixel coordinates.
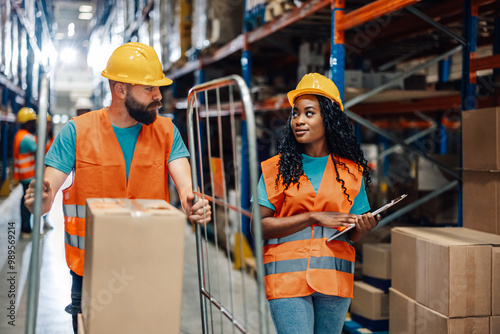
(311, 189)
(121, 151)
(24, 160)
(50, 139)
(83, 105)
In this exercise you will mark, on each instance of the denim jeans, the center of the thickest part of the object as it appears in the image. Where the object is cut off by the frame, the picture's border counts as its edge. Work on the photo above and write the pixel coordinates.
(25, 213)
(314, 314)
(76, 299)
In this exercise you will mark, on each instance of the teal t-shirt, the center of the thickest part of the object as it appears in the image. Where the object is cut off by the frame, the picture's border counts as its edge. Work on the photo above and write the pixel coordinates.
(314, 169)
(61, 154)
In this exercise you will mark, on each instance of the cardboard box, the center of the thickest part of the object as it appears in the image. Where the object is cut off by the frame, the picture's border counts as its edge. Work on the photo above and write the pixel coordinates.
(369, 302)
(495, 280)
(401, 313)
(134, 252)
(481, 139)
(494, 325)
(431, 322)
(446, 269)
(377, 260)
(481, 200)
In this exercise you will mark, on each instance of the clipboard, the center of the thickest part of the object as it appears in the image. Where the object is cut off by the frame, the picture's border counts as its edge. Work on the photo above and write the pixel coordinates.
(374, 213)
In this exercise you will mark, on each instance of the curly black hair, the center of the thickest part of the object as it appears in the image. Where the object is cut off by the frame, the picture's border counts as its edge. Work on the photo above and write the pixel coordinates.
(340, 139)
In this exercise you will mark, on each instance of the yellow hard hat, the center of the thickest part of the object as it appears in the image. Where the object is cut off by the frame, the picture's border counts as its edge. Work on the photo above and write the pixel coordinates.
(25, 115)
(136, 63)
(49, 118)
(315, 83)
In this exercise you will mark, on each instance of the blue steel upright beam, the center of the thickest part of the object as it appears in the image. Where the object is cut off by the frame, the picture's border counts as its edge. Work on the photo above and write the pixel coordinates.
(337, 52)
(468, 80)
(246, 68)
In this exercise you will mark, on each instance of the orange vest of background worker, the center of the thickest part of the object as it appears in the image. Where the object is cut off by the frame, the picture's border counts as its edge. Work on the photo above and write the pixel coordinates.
(24, 163)
(100, 173)
(303, 263)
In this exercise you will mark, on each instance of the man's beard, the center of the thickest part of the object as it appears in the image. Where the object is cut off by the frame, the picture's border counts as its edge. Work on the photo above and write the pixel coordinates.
(140, 112)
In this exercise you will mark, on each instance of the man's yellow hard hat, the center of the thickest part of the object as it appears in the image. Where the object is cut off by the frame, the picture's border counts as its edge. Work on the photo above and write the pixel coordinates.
(25, 115)
(136, 63)
(315, 83)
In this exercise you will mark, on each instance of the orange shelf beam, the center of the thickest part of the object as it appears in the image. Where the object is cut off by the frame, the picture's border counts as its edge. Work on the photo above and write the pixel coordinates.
(485, 63)
(371, 11)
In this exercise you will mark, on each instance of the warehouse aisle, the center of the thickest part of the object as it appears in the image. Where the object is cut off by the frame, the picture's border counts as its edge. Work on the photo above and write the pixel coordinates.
(55, 281)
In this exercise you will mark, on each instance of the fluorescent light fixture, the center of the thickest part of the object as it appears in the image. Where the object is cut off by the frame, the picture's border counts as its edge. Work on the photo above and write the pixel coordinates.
(85, 16)
(71, 29)
(68, 55)
(85, 9)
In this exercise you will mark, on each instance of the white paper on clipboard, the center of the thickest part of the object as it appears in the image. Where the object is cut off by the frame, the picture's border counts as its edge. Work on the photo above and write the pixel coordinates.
(374, 213)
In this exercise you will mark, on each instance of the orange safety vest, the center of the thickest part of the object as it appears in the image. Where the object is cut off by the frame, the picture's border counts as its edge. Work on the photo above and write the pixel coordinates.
(100, 172)
(49, 144)
(24, 163)
(302, 263)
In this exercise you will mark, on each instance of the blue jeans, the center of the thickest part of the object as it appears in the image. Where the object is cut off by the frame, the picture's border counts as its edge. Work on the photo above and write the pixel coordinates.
(76, 299)
(314, 314)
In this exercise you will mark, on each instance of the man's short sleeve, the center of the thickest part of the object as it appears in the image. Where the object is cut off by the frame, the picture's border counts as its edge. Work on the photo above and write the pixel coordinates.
(361, 204)
(179, 149)
(61, 154)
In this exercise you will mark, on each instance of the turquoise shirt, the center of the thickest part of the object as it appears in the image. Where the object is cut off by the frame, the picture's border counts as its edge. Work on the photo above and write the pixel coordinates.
(61, 154)
(314, 169)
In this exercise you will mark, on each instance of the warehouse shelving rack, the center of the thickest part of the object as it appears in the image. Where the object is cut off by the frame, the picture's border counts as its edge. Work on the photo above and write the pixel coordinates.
(433, 18)
(27, 26)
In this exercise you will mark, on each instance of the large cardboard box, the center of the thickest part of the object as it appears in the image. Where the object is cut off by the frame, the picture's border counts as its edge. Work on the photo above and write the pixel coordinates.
(481, 139)
(370, 302)
(495, 279)
(377, 260)
(446, 269)
(494, 325)
(132, 281)
(481, 200)
(428, 321)
(401, 313)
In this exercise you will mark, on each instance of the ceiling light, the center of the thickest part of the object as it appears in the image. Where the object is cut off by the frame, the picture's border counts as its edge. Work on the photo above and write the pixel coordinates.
(85, 9)
(71, 29)
(85, 16)
(68, 55)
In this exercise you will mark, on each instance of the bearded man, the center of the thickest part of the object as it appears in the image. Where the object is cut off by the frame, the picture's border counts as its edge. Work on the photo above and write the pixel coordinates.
(124, 150)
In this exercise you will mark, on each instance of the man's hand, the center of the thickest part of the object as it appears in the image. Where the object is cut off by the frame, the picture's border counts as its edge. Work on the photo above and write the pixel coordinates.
(200, 212)
(47, 195)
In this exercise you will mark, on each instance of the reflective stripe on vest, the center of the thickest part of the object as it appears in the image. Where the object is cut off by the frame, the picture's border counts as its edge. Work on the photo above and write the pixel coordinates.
(24, 170)
(30, 158)
(289, 266)
(301, 263)
(74, 211)
(74, 241)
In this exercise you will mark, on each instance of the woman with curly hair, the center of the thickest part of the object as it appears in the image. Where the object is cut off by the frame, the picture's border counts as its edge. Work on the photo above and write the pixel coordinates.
(312, 189)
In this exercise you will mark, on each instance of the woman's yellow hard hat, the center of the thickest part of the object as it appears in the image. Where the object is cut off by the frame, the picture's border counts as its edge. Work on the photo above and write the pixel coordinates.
(317, 84)
(136, 63)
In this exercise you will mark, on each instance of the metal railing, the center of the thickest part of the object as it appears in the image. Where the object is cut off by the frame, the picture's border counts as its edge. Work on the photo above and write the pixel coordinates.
(219, 142)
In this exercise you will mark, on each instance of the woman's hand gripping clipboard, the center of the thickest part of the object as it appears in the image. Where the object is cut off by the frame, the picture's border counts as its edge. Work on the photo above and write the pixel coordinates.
(374, 213)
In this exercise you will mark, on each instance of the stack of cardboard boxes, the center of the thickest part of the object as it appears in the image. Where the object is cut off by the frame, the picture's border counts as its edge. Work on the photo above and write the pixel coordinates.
(481, 169)
(445, 280)
(134, 255)
(370, 305)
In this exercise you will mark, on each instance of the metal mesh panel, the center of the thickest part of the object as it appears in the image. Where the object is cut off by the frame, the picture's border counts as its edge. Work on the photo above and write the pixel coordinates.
(221, 130)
